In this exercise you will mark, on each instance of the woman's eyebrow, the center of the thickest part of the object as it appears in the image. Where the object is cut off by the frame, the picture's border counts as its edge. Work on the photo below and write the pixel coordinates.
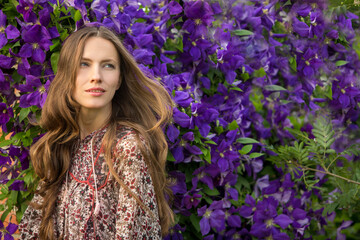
(103, 60)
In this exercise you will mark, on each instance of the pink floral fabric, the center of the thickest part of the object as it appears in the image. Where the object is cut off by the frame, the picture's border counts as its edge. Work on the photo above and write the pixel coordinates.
(120, 215)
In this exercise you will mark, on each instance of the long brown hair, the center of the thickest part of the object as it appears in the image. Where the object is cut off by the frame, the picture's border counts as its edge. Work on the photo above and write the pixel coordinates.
(140, 103)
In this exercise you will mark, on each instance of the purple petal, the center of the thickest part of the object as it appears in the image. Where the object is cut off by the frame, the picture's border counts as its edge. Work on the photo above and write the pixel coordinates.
(174, 8)
(234, 221)
(183, 99)
(301, 28)
(2, 19)
(233, 193)
(181, 118)
(172, 132)
(189, 136)
(195, 53)
(26, 50)
(206, 82)
(6, 62)
(223, 164)
(333, 34)
(178, 154)
(144, 40)
(344, 225)
(193, 149)
(298, 214)
(204, 226)
(38, 55)
(44, 17)
(204, 130)
(12, 32)
(217, 219)
(3, 40)
(143, 56)
(281, 236)
(53, 32)
(283, 221)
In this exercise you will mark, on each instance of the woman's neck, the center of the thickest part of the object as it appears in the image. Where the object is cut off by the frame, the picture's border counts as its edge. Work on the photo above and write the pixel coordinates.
(90, 120)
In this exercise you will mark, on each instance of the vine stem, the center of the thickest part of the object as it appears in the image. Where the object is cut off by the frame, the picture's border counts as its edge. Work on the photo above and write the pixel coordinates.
(329, 173)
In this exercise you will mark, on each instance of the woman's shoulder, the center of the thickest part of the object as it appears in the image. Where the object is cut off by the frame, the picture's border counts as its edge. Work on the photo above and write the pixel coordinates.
(128, 138)
(124, 133)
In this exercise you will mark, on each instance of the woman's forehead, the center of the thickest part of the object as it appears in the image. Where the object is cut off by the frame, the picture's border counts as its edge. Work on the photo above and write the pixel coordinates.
(100, 48)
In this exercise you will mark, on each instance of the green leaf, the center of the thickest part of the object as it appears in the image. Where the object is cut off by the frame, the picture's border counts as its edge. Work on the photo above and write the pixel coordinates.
(24, 112)
(13, 196)
(54, 59)
(236, 89)
(274, 88)
(341, 63)
(246, 140)
(77, 15)
(56, 42)
(246, 149)
(210, 142)
(259, 73)
(170, 157)
(233, 125)
(5, 143)
(211, 192)
(242, 32)
(195, 220)
(255, 155)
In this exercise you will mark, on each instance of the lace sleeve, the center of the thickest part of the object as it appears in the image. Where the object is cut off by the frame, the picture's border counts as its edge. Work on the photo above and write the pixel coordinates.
(133, 221)
(30, 222)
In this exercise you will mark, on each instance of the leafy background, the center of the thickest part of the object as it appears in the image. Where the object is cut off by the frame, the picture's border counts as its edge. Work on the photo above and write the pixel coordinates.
(263, 142)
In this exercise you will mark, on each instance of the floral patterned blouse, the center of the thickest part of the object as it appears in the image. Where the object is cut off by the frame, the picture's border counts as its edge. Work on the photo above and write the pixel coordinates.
(120, 215)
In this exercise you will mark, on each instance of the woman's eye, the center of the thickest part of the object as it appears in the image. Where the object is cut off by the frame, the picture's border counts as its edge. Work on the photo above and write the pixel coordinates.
(109, 65)
(84, 64)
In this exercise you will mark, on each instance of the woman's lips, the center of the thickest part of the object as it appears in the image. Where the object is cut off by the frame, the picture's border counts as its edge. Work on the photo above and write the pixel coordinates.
(95, 91)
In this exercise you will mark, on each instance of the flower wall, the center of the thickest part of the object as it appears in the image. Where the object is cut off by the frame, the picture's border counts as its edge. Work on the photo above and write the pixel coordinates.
(241, 73)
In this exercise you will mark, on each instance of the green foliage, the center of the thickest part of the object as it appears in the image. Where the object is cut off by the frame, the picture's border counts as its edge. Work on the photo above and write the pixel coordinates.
(307, 156)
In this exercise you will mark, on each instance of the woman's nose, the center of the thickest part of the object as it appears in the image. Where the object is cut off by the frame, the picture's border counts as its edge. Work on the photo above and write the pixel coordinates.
(95, 73)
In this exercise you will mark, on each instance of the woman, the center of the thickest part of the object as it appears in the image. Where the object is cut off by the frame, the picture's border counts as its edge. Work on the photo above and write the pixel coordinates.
(102, 160)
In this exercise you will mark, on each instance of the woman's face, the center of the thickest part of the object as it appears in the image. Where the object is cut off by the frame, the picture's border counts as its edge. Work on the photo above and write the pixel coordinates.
(98, 76)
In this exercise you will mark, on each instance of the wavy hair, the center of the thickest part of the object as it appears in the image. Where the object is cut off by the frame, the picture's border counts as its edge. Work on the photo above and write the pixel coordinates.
(140, 103)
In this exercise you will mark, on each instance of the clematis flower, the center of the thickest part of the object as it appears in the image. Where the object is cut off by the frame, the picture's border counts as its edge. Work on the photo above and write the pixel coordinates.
(213, 216)
(175, 233)
(10, 31)
(202, 115)
(25, 8)
(37, 40)
(8, 231)
(184, 147)
(36, 97)
(5, 114)
(190, 201)
(174, 8)
(200, 16)
(300, 28)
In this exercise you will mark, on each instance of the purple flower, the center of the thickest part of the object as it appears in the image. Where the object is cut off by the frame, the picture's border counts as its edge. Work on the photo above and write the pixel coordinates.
(183, 147)
(344, 225)
(200, 16)
(5, 113)
(37, 40)
(25, 8)
(183, 99)
(8, 231)
(191, 200)
(175, 233)
(300, 28)
(174, 8)
(213, 216)
(34, 98)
